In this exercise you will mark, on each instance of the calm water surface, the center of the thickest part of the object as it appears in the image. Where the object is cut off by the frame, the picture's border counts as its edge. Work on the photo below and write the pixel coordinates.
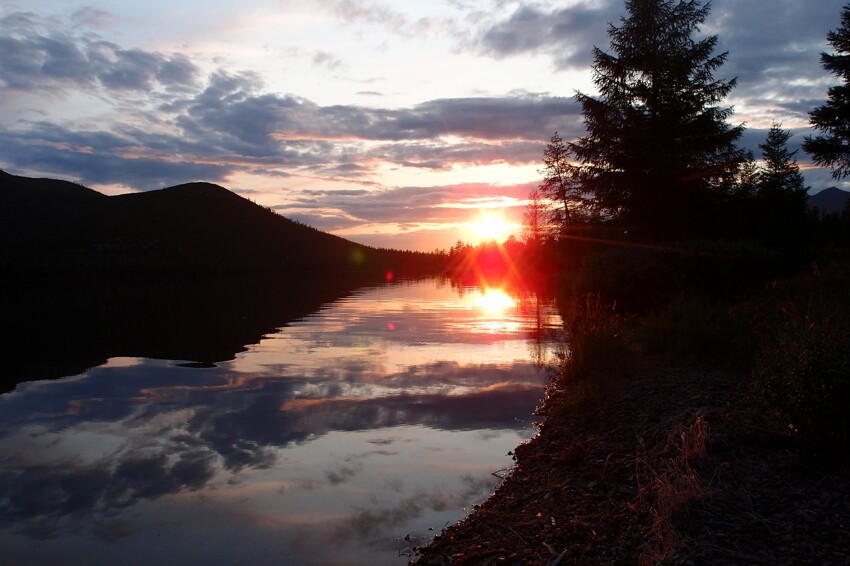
(381, 416)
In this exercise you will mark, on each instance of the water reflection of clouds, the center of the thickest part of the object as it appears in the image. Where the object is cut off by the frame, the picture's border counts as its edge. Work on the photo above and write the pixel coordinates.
(171, 429)
(365, 523)
(235, 432)
(147, 390)
(43, 500)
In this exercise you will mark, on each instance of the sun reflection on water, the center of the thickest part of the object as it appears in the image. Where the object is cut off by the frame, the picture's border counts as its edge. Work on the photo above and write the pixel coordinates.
(494, 301)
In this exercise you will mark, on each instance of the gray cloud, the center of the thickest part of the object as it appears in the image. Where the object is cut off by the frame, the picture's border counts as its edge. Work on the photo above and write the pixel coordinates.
(244, 121)
(91, 17)
(210, 129)
(442, 156)
(99, 157)
(565, 34)
(341, 473)
(380, 14)
(259, 116)
(774, 52)
(327, 60)
(773, 49)
(232, 125)
(34, 55)
(370, 12)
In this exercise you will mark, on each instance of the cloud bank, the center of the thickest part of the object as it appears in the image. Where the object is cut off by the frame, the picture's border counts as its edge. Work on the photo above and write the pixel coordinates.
(162, 116)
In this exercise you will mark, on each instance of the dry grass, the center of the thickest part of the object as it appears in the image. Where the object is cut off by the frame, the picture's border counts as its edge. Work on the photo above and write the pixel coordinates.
(668, 483)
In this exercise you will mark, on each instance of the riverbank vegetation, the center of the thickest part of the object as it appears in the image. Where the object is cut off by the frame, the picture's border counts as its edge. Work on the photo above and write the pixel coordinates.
(698, 413)
(702, 430)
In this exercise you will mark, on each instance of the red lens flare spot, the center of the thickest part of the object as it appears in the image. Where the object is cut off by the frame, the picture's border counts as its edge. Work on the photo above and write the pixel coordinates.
(390, 326)
(390, 276)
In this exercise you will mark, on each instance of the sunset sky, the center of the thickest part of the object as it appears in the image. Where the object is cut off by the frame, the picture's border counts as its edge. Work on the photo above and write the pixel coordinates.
(392, 123)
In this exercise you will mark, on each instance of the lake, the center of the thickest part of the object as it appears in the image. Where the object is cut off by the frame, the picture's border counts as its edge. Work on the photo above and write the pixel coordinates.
(223, 425)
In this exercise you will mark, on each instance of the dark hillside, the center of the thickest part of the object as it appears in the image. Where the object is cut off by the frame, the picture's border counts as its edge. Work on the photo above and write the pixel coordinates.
(829, 201)
(206, 226)
(53, 226)
(40, 209)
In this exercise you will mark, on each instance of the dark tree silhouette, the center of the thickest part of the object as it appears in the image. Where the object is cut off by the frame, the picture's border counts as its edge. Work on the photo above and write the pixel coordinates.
(562, 184)
(658, 148)
(748, 177)
(781, 174)
(833, 118)
(781, 197)
(535, 220)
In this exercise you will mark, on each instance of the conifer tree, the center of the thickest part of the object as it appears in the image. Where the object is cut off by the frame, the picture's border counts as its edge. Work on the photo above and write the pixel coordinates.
(658, 148)
(781, 197)
(780, 174)
(833, 118)
(748, 177)
(561, 184)
(535, 220)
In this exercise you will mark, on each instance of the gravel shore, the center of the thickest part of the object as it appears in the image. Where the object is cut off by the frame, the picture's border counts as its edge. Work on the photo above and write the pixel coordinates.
(676, 465)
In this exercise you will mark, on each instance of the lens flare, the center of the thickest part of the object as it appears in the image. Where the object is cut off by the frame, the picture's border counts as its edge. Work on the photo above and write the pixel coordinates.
(491, 226)
(494, 301)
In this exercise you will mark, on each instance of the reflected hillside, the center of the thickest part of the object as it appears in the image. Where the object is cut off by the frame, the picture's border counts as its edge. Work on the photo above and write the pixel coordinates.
(60, 328)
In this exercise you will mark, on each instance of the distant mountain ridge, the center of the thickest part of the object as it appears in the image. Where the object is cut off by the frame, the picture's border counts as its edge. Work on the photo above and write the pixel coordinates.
(50, 225)
(830, 201)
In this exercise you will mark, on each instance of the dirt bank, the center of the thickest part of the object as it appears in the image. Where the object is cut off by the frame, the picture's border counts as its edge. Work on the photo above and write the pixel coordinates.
(677, 465)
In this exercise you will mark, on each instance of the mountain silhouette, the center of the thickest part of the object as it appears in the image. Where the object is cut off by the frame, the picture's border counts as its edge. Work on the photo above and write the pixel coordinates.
(51, 225)
(192, 272)
(829, 201)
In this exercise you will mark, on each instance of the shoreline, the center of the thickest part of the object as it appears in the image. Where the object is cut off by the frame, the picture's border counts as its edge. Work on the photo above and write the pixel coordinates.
(675, 465)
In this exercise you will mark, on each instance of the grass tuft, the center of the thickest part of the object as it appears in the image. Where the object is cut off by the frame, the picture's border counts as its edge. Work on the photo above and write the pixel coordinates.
(595, 352)
(805, 374)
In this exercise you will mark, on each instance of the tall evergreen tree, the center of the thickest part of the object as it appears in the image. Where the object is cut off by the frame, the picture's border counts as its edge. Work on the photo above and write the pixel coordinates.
(781, 197)
(780, 174)
(658, 147)
(833, 118)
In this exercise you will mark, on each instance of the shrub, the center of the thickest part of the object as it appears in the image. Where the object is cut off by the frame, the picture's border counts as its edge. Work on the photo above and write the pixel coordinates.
(805, 375)
(697, 329)
(640, 278)
(595, 351)
(726, 269)
(633, 278)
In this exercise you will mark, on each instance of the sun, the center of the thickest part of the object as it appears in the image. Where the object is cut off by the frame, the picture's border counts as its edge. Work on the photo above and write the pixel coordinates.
(491, 226)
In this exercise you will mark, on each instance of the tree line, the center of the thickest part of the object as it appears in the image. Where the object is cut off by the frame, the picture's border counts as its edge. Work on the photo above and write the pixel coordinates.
(659, 160)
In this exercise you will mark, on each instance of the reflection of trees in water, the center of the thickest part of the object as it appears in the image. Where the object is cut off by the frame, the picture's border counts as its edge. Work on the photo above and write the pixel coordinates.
(535, 308)
(541, 323)
(65, 328)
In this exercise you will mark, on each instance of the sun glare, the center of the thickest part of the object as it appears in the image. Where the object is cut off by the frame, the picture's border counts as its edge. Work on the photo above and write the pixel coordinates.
(491, 226)
(494, 301)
